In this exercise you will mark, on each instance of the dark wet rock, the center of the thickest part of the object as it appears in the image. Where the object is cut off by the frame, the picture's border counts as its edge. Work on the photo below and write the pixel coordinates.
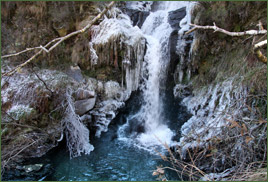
(32, 168)
(31, 172)
(83, 106)
(137, 17)
(136, 126)
(176, 16)
(182, 91)
(174, 57)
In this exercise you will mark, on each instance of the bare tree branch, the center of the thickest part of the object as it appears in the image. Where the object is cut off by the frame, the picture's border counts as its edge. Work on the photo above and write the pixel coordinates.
(233, 34)
(18, 53)
(256, 47)
(57, 40)
(260, 44)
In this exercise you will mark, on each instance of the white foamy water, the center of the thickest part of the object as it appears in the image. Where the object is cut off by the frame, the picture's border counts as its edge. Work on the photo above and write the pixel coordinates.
(157, 30)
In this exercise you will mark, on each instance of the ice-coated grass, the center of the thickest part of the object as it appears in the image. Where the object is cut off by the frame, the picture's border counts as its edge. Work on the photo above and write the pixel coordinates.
(77, 135)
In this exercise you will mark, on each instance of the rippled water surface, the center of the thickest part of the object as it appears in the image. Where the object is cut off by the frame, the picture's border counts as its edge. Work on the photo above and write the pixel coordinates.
(112, 158)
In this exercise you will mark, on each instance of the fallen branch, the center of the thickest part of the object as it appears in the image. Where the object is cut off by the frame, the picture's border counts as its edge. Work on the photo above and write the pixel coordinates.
(233, 34)
(57, 40)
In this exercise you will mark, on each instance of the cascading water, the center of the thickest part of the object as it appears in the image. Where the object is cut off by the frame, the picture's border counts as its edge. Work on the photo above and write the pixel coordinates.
(148, 128)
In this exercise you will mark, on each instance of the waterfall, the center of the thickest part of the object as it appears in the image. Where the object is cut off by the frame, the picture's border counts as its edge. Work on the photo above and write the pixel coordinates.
(148, 128)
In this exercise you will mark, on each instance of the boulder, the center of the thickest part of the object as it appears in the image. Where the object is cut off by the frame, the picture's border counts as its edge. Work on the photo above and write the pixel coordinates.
(32, 167)
(82, 94)
(75, 73)
(83, 106)
(112, 90)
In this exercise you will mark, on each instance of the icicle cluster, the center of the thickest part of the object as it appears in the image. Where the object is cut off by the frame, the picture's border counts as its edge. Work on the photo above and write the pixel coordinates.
(115, 42)
(211, 106)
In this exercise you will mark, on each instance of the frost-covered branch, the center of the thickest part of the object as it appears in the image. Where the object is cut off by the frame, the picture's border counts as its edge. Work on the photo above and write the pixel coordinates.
(59, 40)
(233, 34)
(21, 52)
(256, 47)
(260, 44)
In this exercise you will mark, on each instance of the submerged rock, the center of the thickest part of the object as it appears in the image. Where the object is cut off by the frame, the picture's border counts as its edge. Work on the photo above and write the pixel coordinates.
(32, 167)
(30, 172)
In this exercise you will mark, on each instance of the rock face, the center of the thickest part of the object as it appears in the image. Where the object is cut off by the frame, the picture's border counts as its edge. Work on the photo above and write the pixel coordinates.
(179, 46)
(175, 17)
(137, 17)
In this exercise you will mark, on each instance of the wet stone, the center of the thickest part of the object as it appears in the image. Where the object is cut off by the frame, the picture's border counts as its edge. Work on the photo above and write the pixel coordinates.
(33, 167)
(174, 17)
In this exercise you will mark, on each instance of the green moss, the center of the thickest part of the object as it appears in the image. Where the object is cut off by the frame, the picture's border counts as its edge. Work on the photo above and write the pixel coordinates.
(237, 28)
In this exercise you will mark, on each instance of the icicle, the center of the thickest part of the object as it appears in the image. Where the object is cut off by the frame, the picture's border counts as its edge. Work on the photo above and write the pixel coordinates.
(93, 55)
